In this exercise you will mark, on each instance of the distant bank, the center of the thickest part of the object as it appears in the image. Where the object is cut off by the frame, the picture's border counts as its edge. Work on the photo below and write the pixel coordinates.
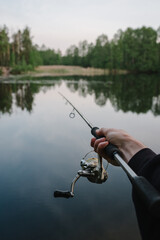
(62, 70)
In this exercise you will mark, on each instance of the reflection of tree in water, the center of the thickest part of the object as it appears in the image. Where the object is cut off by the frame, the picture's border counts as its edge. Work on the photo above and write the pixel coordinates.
(136, 94)
(91, 85)
(156, 105)
(139, 93)
(80, 86)
(5, 98)
(23, 94)
(24, 97)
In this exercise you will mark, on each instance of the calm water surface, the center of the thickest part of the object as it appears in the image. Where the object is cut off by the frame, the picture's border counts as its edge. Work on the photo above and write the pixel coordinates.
(41, 148)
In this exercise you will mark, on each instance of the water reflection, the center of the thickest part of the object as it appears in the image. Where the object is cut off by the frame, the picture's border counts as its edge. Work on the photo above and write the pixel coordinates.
(20, 94)
(41, 148)
(138, 94)
(5, 98)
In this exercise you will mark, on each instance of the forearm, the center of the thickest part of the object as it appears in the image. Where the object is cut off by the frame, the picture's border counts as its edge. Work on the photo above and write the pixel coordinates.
(130, 147)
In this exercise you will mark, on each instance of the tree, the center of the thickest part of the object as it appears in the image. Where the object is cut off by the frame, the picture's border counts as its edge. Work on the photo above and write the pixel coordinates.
(4, 47)
(100, 52)
(139, 50)
(27, 45)
(158, 42)
(50, 56)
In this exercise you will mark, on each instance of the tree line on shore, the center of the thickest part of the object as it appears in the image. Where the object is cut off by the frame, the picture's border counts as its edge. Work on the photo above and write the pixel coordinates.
(134, 50)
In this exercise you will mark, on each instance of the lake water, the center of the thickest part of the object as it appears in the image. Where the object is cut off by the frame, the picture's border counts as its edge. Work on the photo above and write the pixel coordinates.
(41, 148)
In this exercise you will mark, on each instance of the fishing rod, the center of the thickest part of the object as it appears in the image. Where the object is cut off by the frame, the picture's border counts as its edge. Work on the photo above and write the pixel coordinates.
(149, 196)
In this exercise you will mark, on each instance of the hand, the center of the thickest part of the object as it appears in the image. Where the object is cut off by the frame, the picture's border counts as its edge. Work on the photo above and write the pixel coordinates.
(127, 145)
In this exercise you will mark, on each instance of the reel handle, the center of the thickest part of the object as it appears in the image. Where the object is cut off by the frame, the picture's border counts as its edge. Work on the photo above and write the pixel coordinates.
(63, 194)
(110, 148)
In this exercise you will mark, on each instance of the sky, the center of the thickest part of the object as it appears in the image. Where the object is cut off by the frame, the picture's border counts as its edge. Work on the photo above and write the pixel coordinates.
(58, 24)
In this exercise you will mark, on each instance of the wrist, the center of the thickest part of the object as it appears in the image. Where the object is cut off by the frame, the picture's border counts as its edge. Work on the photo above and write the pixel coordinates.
(130, 147)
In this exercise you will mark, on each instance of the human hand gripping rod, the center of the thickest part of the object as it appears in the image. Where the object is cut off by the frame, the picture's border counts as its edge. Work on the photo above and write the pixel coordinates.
(145, 191)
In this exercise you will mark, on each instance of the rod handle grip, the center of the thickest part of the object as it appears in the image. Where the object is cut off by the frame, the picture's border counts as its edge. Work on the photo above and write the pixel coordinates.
(110, 148)
(147, 194)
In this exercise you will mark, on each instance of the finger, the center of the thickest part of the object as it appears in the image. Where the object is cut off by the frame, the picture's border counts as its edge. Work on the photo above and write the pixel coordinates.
(102, 153)
(101, 132)
(101, 146)
(92, 142)
(97, 142)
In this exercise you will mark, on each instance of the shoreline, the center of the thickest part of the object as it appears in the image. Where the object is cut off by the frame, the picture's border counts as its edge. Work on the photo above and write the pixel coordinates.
(62, 70)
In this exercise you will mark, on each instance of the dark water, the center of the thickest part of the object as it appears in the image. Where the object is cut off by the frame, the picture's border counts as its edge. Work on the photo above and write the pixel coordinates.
(41, 148)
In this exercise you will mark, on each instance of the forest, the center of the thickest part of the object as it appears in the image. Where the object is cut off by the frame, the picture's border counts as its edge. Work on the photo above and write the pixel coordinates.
(134, 50)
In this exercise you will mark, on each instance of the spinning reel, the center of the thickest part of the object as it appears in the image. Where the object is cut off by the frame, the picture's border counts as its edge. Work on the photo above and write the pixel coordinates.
(92, 169)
